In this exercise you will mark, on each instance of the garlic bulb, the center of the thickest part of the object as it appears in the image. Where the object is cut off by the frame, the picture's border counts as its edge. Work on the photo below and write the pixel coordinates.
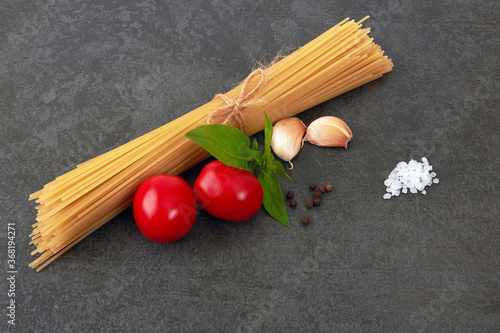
(328, 131)
(287, 138)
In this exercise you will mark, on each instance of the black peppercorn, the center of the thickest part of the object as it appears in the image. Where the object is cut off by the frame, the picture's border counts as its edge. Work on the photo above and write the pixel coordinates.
(306, 219)
(316, 201)
(292, 203)
(309, 203)
(322, 189)
(289, 195)
(312, 185)
(317, 194)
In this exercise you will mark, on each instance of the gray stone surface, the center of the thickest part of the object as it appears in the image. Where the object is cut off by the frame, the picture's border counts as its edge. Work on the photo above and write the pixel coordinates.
(78, 78)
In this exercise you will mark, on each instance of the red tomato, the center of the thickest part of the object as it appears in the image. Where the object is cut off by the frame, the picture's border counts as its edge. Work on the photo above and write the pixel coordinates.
(164, 208)
(228, 193)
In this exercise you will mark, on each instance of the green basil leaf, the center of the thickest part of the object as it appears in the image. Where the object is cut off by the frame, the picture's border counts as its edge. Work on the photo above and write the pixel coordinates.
(227, 144)
(253, 165)
(273, 198)
(255, 145)
(256, 159)
(256, 156)
(280, 170)
(268, 136)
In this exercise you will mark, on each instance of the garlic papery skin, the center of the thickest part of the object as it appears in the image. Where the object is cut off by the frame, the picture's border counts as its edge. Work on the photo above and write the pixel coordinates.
(328, 131)
(287, 138)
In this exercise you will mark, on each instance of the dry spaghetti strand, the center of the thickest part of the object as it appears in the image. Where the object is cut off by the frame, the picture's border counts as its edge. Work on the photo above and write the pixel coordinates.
(77, 203)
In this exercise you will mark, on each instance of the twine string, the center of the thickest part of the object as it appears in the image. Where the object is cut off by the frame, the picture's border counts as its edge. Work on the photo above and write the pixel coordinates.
(232, 112)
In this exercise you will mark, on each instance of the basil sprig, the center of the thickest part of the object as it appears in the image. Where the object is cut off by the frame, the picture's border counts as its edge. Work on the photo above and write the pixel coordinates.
(232, 147)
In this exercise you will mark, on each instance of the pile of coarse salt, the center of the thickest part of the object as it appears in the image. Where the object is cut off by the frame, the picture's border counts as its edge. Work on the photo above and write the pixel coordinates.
(412, 176)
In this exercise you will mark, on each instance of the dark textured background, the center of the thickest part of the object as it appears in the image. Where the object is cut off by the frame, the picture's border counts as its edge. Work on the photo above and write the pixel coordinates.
(78, 78)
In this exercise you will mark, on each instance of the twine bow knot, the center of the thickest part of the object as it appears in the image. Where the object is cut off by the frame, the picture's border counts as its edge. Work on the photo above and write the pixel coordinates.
(231, 113)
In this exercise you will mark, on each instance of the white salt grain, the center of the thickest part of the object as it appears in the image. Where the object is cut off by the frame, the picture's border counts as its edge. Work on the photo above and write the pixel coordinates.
(413, 176)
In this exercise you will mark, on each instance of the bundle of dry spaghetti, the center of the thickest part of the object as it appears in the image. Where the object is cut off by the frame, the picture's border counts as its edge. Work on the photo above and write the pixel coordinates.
(80, 201)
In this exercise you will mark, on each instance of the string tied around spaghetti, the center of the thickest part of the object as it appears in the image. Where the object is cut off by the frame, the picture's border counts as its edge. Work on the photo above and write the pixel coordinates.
(232, 112)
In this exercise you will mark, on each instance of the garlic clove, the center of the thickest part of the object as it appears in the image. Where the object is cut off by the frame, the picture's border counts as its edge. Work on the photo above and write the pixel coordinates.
(287, 138)
(328, 131)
